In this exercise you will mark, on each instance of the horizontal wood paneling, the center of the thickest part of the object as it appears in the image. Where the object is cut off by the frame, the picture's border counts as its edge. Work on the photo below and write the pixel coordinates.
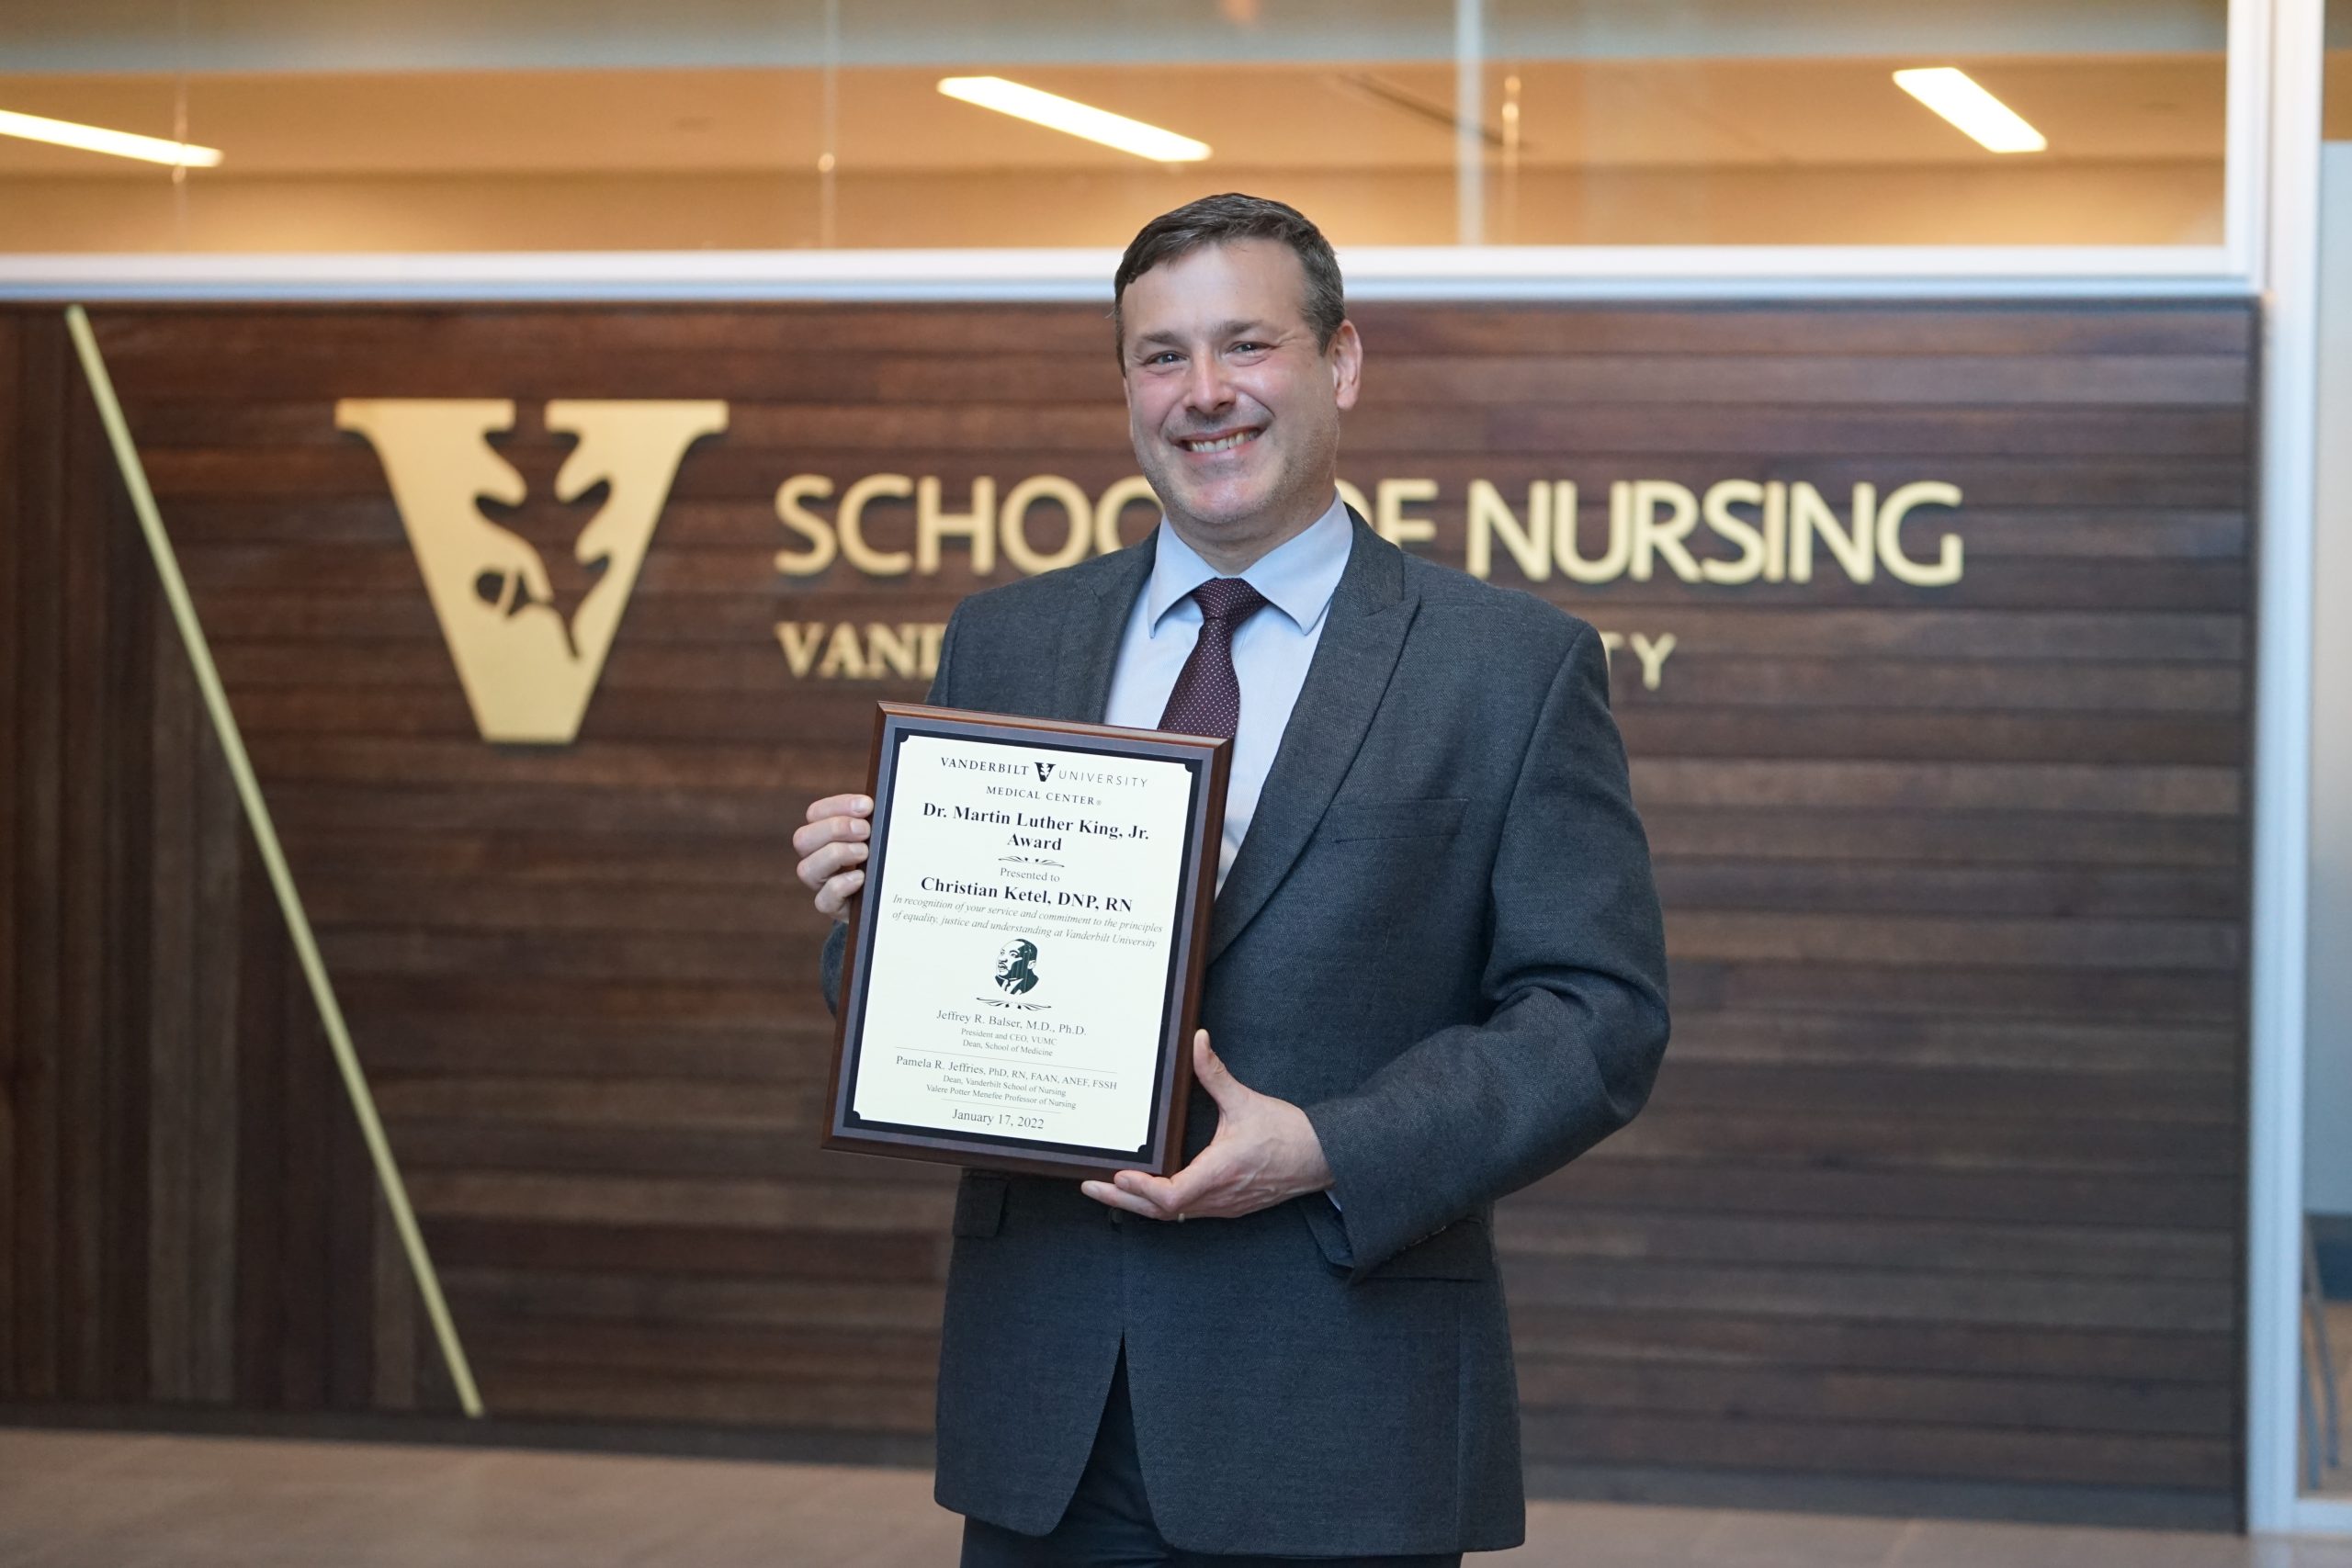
(1943, 1180)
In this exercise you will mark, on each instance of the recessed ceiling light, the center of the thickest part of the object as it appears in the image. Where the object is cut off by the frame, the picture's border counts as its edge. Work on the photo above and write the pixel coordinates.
(1074, 118)
(1954, 95)
(96, 138)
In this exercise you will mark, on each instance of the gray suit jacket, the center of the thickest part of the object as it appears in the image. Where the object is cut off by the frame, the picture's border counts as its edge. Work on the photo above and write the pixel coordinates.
(1440, 939)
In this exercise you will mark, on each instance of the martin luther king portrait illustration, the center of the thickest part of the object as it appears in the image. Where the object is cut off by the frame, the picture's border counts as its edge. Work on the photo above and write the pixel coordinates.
(1014, 974)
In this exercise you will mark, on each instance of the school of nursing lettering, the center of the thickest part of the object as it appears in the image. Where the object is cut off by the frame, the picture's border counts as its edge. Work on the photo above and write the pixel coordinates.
(1015, 981)
(1721, 537)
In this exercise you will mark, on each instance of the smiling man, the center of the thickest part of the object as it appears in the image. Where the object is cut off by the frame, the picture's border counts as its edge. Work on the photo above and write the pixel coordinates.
(1435, 975)
(1234, 386)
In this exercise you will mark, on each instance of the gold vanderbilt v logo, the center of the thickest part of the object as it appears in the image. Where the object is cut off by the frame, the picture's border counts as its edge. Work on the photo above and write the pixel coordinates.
(528, 669)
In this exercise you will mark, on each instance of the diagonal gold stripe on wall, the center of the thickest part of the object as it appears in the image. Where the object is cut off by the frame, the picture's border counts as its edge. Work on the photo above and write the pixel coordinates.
(298, 922)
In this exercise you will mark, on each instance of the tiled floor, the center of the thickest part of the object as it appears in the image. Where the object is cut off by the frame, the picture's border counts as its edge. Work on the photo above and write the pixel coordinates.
(87, 1500)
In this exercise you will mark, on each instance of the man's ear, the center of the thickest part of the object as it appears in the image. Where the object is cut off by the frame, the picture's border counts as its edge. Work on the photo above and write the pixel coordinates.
(1346, 355)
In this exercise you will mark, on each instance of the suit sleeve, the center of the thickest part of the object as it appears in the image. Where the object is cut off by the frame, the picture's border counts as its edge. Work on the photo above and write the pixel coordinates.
(828, 962)
(1576, 984)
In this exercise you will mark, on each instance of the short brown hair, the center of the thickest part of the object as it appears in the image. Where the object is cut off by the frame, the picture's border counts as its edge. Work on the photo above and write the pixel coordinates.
(1219, 221)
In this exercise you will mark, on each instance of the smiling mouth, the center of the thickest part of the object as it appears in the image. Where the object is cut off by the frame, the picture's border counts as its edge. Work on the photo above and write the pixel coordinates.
(1206, 444)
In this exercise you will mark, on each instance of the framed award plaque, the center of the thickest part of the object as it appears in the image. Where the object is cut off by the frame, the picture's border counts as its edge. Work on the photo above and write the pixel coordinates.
(1023, 965)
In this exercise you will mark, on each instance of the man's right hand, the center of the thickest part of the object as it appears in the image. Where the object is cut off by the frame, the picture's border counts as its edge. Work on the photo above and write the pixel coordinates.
(831, 846)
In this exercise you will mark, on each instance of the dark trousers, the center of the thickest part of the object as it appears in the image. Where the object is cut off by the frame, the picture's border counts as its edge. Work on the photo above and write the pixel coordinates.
(1109, 1524)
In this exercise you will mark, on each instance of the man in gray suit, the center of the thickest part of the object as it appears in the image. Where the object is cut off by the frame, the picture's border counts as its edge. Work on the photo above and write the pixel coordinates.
(1435, 974)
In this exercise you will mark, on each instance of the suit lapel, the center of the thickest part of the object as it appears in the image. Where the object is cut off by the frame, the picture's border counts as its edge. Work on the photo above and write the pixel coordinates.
(1363, 635)
(1091, 632)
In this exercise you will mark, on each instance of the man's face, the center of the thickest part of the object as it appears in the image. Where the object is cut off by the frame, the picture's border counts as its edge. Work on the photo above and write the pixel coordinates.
(1008, 959)
(1233, 409)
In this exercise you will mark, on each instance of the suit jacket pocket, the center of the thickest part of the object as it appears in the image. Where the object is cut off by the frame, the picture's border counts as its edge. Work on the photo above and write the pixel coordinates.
(1461, 1251)
(1438, 817)
(979, 1205)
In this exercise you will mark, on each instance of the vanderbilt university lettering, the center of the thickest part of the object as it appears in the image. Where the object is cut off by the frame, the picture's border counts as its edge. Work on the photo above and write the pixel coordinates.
(909, 651)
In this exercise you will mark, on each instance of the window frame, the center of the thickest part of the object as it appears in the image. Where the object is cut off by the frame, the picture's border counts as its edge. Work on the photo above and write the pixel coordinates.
(1472, 272)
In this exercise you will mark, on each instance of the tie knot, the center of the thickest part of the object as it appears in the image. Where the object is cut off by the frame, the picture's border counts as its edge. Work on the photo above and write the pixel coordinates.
(1228, 599)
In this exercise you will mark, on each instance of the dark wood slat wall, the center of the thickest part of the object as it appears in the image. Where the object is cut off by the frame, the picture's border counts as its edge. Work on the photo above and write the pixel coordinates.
(185, 1214)
(1943, 1180)
(16, 1160)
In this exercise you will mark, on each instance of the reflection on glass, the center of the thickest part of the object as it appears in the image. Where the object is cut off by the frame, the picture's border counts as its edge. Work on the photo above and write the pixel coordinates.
(91, 164)
(806, 123)
(2326, 1392)
(1718, 121)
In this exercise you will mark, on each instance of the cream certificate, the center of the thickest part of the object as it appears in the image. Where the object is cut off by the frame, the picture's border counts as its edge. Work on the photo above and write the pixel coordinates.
(1023, 922)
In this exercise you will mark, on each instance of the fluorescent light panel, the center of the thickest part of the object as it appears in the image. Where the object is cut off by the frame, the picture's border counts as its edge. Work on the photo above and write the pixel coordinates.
(1954, 95)
(94, 139)
(1074, 118)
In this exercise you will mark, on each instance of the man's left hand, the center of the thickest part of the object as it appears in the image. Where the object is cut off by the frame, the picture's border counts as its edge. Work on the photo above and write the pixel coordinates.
(1265, 1152)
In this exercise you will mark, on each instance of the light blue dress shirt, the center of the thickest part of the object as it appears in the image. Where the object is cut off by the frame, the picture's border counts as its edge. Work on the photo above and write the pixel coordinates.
(1271, 651)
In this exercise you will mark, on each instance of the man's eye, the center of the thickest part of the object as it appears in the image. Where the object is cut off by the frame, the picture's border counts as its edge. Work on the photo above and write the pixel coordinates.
(1249, 347)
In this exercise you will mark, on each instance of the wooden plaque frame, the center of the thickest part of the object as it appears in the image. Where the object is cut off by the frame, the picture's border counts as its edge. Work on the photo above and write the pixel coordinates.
(1210, 761)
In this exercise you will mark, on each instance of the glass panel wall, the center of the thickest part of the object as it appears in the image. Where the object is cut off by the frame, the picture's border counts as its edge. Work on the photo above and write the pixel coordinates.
(2325, 1393)
(528, 125)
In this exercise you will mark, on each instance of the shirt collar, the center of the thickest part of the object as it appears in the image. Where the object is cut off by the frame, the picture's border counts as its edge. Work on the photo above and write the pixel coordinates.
(1297, 576)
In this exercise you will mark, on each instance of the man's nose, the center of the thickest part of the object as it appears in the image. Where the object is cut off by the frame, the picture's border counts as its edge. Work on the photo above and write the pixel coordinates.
(1207, 389)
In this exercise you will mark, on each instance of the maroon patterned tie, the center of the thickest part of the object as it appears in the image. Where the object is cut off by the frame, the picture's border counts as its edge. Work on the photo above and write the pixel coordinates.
(1207, 698)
